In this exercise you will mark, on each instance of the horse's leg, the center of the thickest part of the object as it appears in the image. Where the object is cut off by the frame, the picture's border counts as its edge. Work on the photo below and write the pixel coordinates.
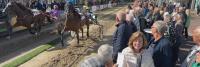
(9, 27)
(82, 31)
(88, 27)
(9, 30)
(101, 31)
(38, 29)
(62, 39)
(77, 36)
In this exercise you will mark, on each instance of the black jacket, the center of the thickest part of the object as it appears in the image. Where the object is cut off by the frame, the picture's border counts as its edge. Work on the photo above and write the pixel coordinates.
(162, 53)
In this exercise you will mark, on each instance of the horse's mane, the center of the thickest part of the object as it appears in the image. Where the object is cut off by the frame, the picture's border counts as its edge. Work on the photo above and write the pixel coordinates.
(73, 10)
(24, 8)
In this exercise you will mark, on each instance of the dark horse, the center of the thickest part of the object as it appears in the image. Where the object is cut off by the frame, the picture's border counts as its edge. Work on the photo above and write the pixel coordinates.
(24, 17)
(73, 22)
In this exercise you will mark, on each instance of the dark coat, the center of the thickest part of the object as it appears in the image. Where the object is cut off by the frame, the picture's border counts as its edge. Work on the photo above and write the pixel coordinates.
(171, 31)
(121, 37)
(145, 11)
(179, 34)
(184, 17)
(157, 17)
(162, 53)
(149, 19)
(136, 22)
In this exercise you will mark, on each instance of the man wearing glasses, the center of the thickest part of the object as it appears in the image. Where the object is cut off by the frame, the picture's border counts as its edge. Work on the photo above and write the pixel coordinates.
(160, 46)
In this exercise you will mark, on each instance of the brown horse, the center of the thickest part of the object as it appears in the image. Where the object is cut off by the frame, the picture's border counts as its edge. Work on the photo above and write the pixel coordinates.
(73, 22)
(24, 17)
(91, 18)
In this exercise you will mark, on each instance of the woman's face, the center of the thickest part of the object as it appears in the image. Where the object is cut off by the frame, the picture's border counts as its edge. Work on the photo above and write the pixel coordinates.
(151, 8)
(177, 9)
(138, 44)
(166, 18)
(178, 17)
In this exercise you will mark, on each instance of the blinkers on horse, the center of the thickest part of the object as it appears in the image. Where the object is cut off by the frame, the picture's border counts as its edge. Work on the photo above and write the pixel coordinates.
(2, 11)
(3, 15)
(25, 17)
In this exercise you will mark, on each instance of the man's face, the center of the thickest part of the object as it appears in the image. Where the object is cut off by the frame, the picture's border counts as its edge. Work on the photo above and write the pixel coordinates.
(119, 18)
(177, 9)
(153, 30)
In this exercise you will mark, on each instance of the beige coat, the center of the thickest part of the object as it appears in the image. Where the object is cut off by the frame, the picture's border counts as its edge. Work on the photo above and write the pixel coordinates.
(132, 59)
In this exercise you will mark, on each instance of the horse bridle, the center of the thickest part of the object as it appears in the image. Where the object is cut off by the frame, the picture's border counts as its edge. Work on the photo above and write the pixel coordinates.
(6, 7)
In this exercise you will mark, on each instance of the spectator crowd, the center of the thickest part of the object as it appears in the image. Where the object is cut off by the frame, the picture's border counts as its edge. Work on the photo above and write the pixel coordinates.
(148, 35)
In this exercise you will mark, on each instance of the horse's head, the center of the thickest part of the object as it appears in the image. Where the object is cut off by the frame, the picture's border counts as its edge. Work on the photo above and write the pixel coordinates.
(16, 9)
(47, 18)
(9, 7)
(71, 12)
(71, 8)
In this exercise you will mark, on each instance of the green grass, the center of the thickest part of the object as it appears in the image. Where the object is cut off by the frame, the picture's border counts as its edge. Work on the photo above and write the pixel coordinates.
(2, 30)
(29, 55)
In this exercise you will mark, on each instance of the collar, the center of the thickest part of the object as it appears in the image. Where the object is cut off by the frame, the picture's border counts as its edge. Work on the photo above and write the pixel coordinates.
(121, 22)
(156, 42)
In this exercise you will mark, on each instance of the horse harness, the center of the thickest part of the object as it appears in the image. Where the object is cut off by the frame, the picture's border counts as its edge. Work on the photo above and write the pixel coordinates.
(2, 14)
(3, 17)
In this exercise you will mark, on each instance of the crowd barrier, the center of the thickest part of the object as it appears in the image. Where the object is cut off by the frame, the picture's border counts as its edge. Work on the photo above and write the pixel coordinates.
(100, 7)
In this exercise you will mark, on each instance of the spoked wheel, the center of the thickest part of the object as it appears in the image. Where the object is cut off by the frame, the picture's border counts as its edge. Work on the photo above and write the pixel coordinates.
(72, 34)
(62, 39)
(100, 32)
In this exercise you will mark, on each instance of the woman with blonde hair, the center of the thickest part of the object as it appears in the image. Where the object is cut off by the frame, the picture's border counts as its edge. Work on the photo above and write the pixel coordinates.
(135, 54)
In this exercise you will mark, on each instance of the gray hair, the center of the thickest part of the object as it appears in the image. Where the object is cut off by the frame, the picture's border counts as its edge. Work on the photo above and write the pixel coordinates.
(161, 27)
(167, 17)
(104, 55)
(106, 52)
(91, 61)
(166, 14)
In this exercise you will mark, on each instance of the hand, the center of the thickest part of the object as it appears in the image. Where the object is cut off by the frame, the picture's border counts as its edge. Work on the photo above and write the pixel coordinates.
(115, 65)
(198, 57)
